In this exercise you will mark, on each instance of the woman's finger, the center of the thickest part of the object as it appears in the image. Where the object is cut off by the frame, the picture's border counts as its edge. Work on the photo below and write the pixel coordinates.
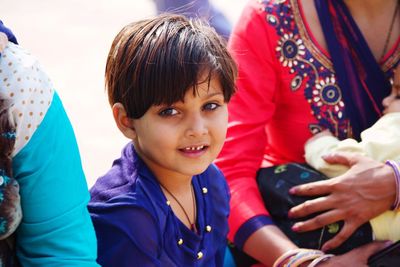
(312, 189)
(344, 233)
(310, 206)
(318, 221)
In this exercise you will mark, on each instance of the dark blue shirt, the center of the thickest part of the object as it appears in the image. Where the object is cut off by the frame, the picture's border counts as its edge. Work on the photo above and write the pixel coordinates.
(136, 227)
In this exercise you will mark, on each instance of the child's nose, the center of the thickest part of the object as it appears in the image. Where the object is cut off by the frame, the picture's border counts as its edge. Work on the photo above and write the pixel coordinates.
(197, 126)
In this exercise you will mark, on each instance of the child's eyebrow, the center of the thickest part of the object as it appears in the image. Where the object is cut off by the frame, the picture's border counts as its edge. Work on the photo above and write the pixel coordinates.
(213, 94)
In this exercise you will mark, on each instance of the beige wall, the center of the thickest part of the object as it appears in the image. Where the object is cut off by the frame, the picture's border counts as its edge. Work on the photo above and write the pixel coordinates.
(71, 39)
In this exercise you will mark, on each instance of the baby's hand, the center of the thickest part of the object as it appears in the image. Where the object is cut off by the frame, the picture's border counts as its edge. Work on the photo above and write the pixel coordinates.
(3, 41)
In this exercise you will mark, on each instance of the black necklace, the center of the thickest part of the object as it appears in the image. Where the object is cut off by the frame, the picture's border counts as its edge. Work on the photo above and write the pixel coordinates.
(390, 30)
(191, 223)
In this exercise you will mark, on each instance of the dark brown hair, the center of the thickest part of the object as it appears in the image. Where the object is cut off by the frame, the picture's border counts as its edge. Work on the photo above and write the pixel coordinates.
(155, 61)
(7, 138)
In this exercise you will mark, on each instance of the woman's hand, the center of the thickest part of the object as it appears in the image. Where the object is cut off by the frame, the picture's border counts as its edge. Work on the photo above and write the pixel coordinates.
(366, 190)
(357, 257)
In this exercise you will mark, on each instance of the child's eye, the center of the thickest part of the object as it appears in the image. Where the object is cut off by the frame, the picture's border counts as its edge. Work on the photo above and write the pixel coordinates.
(211, 106)
(168, 112)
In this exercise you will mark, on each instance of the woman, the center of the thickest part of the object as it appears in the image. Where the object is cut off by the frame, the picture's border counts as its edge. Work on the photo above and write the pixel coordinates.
(295, 81)
(56, 229)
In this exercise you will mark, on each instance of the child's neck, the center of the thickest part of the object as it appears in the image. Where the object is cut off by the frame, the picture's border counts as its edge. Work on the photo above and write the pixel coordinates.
(181, 198)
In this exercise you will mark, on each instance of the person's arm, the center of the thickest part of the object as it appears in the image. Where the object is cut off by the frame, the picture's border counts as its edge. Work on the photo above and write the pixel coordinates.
(250, 110)
(56, 229)
(367, 189)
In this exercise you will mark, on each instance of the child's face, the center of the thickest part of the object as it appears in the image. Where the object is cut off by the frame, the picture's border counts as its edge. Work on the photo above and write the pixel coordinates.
(184, 138)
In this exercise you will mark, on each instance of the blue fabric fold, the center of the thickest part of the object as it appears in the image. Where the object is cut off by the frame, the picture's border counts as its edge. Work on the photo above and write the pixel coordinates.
(362, 81)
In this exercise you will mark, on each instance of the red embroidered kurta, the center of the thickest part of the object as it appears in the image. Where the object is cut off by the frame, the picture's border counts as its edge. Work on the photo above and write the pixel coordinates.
(287, 91)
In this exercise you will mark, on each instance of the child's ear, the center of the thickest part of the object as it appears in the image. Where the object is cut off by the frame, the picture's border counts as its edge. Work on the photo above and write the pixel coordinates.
(124, 123)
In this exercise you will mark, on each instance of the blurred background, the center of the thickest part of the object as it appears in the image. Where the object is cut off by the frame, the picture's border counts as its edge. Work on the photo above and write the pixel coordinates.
(71, 39)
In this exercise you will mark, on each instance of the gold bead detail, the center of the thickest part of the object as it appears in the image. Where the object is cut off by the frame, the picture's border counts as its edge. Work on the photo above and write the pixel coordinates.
(199, 255)
(180, 241)
(205, 190)
(208, 228)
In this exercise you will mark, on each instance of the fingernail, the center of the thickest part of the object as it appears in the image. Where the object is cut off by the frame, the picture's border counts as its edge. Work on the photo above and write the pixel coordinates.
(325, 248)
(295, 228)
(292, 191)
(388, 243)
(290, 214)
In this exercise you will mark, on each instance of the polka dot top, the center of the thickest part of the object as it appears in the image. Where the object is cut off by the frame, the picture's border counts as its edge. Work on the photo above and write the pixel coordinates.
(29, 90)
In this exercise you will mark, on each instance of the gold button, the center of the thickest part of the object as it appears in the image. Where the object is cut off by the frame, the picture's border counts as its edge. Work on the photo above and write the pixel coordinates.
(205, 190)
(208, 228)
(199, 255)
(180, 241)
(168, 203)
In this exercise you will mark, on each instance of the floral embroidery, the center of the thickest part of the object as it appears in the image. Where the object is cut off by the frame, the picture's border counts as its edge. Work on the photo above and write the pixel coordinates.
(313, 73)
(290, 50)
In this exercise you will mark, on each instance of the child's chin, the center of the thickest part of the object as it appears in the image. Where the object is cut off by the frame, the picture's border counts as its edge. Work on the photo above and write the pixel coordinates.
(198, 170)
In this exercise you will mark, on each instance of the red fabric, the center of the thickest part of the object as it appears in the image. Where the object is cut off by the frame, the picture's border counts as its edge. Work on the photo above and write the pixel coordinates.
(261, 86)
(273, 114)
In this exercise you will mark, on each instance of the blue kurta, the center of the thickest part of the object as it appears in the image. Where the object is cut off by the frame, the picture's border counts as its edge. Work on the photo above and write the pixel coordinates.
(135, 226)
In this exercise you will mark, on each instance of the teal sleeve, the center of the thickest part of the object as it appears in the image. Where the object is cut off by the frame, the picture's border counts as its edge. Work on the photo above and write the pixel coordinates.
(56, 229)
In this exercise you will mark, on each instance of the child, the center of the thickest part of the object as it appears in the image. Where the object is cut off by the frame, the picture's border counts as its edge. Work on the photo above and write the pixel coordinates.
(163, 203)
(380, 142)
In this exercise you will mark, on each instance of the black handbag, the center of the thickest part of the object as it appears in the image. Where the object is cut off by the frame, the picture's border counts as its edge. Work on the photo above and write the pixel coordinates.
(274, 184)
